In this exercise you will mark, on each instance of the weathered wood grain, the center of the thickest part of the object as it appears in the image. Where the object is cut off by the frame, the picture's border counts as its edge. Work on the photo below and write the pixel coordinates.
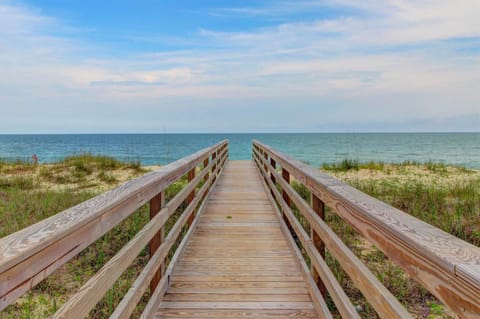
(79, 305)
(159, 292)
(238, 314)
(380, 298)
(136, 291)
(319, 207)
(234, 260)
(30, 255)
(239, 259)
(156, 204)
(339, 297)
(434, 258)
(317, 298)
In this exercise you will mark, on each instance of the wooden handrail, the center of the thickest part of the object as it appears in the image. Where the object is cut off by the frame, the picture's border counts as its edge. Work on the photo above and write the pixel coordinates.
(151, 307)
(387, 307)
(446, 265)
(30, 255)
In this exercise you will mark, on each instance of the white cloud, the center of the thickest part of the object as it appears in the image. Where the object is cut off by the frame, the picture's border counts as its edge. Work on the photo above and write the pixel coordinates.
(387, 59)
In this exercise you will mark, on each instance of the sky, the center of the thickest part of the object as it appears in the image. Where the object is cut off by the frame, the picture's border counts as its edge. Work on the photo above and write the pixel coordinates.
(239, 66)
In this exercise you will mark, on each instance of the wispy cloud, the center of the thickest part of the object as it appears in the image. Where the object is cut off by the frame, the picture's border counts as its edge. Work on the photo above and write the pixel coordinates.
(374, 61)
(271, 9)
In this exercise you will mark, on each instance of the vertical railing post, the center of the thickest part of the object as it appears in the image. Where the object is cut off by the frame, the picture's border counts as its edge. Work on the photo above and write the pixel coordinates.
(265, 155)
(206, 161)
(286, 198)
(272, 177)
(214, 167)
(286, 178)
(205, 164)
(156, 204)
(319, 207)
(191, 196)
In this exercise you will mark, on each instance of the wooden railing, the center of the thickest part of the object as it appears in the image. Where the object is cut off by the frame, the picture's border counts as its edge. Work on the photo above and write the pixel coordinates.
(30, 255)
(447, 266)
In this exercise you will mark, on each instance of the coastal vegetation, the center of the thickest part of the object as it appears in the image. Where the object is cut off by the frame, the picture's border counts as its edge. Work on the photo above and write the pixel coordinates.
(445, 196)
(30, 193)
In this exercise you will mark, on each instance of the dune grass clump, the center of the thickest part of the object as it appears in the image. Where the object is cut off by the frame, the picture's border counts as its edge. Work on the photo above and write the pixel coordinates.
(348, 164)
(107, 177)
(345, 165)
(85, 161)
(353, 165)
(136, 165)
(17, 182)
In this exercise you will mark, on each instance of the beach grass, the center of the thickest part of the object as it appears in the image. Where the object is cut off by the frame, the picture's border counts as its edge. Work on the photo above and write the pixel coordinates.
(30, 193)
(442, 195)
(445, 196)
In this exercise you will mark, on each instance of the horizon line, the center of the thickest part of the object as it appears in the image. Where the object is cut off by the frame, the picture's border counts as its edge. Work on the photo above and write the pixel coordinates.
(238, 133)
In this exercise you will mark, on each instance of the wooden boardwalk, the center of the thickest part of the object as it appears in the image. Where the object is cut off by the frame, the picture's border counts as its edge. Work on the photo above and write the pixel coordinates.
(238, 263)
(238, 258)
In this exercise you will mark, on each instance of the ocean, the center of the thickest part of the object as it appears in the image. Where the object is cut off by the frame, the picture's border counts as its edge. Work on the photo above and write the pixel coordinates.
(314, 148)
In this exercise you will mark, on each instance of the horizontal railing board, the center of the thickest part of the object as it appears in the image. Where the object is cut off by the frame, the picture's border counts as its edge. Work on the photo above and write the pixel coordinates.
(37, 236)
(162, 287)
(318, 300)
(435, 258)
(408, 228)
(138, 288)
(382, 300)
(30, 255)
(79, 305)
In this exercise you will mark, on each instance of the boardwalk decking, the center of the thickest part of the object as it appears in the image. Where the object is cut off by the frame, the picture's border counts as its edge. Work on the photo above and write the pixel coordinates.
(238, 258)
(237, 264)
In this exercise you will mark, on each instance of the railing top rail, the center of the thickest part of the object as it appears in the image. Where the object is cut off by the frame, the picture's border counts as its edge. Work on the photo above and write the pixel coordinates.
(449, 251)
(25, 243)
(416, 246)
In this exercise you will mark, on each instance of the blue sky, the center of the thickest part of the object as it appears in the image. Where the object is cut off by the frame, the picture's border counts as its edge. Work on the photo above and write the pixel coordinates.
(239, 66)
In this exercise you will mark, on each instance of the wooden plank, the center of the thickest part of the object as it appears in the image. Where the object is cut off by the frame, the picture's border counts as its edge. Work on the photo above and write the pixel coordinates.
(240, 262)
(238, 314)
(235, 305)
(234, 296)
(244, 278)
(235, 289)
(261, 287)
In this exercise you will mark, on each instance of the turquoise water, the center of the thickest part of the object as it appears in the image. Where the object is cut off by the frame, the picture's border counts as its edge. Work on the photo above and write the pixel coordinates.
(314, 148)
